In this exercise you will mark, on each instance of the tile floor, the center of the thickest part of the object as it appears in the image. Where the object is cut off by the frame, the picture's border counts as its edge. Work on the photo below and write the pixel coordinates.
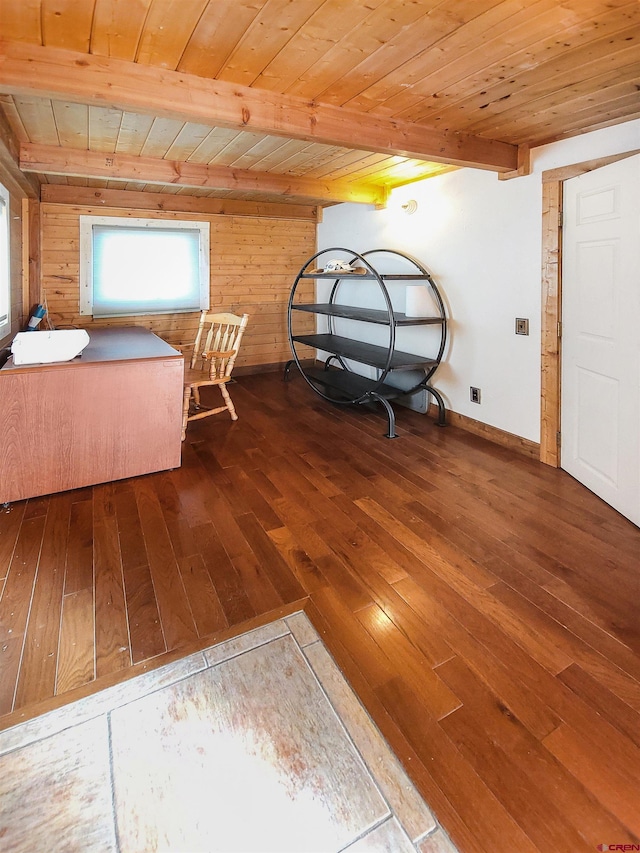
(256, 745)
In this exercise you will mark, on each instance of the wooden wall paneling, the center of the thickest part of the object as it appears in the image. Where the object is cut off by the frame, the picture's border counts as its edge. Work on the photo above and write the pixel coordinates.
(550, 380)
(16, 264)
(254, 260)
(32, 255)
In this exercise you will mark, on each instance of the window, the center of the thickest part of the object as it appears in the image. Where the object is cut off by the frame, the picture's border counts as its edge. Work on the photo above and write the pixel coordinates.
(5, 278)
(142, 266)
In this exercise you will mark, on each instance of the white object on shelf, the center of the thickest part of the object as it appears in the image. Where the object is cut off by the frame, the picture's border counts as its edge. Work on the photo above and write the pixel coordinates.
(47, 347)
(420, 302)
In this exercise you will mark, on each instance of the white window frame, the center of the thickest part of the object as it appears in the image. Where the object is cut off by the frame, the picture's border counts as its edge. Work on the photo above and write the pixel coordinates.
(5, 262)
(126, 222)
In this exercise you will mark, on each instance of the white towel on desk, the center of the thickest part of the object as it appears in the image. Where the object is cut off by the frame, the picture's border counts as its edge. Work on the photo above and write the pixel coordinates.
(47, 347)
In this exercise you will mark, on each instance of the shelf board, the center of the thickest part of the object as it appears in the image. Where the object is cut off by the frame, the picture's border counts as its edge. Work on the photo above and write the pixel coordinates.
(367, 315)
(364, 353)
(367, 276)
(351, 386)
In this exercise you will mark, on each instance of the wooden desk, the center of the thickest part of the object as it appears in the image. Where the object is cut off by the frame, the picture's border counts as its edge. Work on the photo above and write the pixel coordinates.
(114, 412)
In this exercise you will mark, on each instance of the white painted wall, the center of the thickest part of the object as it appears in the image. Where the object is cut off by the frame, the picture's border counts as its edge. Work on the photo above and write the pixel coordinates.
(481, 240)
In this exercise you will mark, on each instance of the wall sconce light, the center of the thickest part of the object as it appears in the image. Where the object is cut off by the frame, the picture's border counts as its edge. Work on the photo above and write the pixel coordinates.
(410, 206)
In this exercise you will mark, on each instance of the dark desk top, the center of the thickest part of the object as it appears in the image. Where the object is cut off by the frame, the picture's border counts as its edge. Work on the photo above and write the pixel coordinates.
(113, 343)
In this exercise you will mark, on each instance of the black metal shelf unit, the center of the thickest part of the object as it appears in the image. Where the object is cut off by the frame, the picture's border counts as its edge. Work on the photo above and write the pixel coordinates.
(336, 381)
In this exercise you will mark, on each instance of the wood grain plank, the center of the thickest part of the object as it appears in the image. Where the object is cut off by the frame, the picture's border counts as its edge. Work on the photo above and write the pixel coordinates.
(410, 664)
(498, 560)
(545, 651)
(497, 752)
(388, 725)
(487, 821)
(15, 604)
(9, 532)
(304, 567)
(177, 620)
(112, 634)
(39, 657)
(276, 568)
(76, 655)
(145, 629)
(207, 610)
(261, 591)
(523, 697)
(348, 631)
(79, 563)
(133, 552)
(620, 715)
(592, 766)
(226, 582)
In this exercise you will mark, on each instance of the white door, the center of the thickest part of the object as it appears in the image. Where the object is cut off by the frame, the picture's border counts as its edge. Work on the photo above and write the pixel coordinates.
(601, 333)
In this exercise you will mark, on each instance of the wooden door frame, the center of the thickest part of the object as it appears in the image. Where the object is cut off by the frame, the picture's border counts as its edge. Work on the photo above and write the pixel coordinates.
(551, 331)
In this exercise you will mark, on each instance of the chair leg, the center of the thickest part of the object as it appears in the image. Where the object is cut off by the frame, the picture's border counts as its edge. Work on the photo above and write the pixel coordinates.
(185, 410)
(229, 403)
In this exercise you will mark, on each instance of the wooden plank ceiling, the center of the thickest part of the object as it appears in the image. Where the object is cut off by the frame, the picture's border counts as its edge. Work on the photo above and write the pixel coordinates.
(305, 101)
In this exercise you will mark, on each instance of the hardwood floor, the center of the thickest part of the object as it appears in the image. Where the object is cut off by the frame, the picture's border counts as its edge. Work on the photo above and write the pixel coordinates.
(483, 606)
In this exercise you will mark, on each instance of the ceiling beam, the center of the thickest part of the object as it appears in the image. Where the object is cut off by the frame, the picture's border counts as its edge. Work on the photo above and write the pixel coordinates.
(50, 160)
(169, 203)
(19, 184)
(33, 70)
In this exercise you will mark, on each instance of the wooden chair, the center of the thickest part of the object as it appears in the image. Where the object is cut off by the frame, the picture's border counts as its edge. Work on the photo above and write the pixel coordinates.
(214, 354)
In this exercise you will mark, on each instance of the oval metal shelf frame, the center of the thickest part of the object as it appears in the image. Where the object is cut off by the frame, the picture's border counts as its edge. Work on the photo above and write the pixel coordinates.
(371, 394)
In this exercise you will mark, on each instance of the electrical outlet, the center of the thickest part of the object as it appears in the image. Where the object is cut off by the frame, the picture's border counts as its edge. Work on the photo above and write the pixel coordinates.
(522, 326)
(474, 394)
